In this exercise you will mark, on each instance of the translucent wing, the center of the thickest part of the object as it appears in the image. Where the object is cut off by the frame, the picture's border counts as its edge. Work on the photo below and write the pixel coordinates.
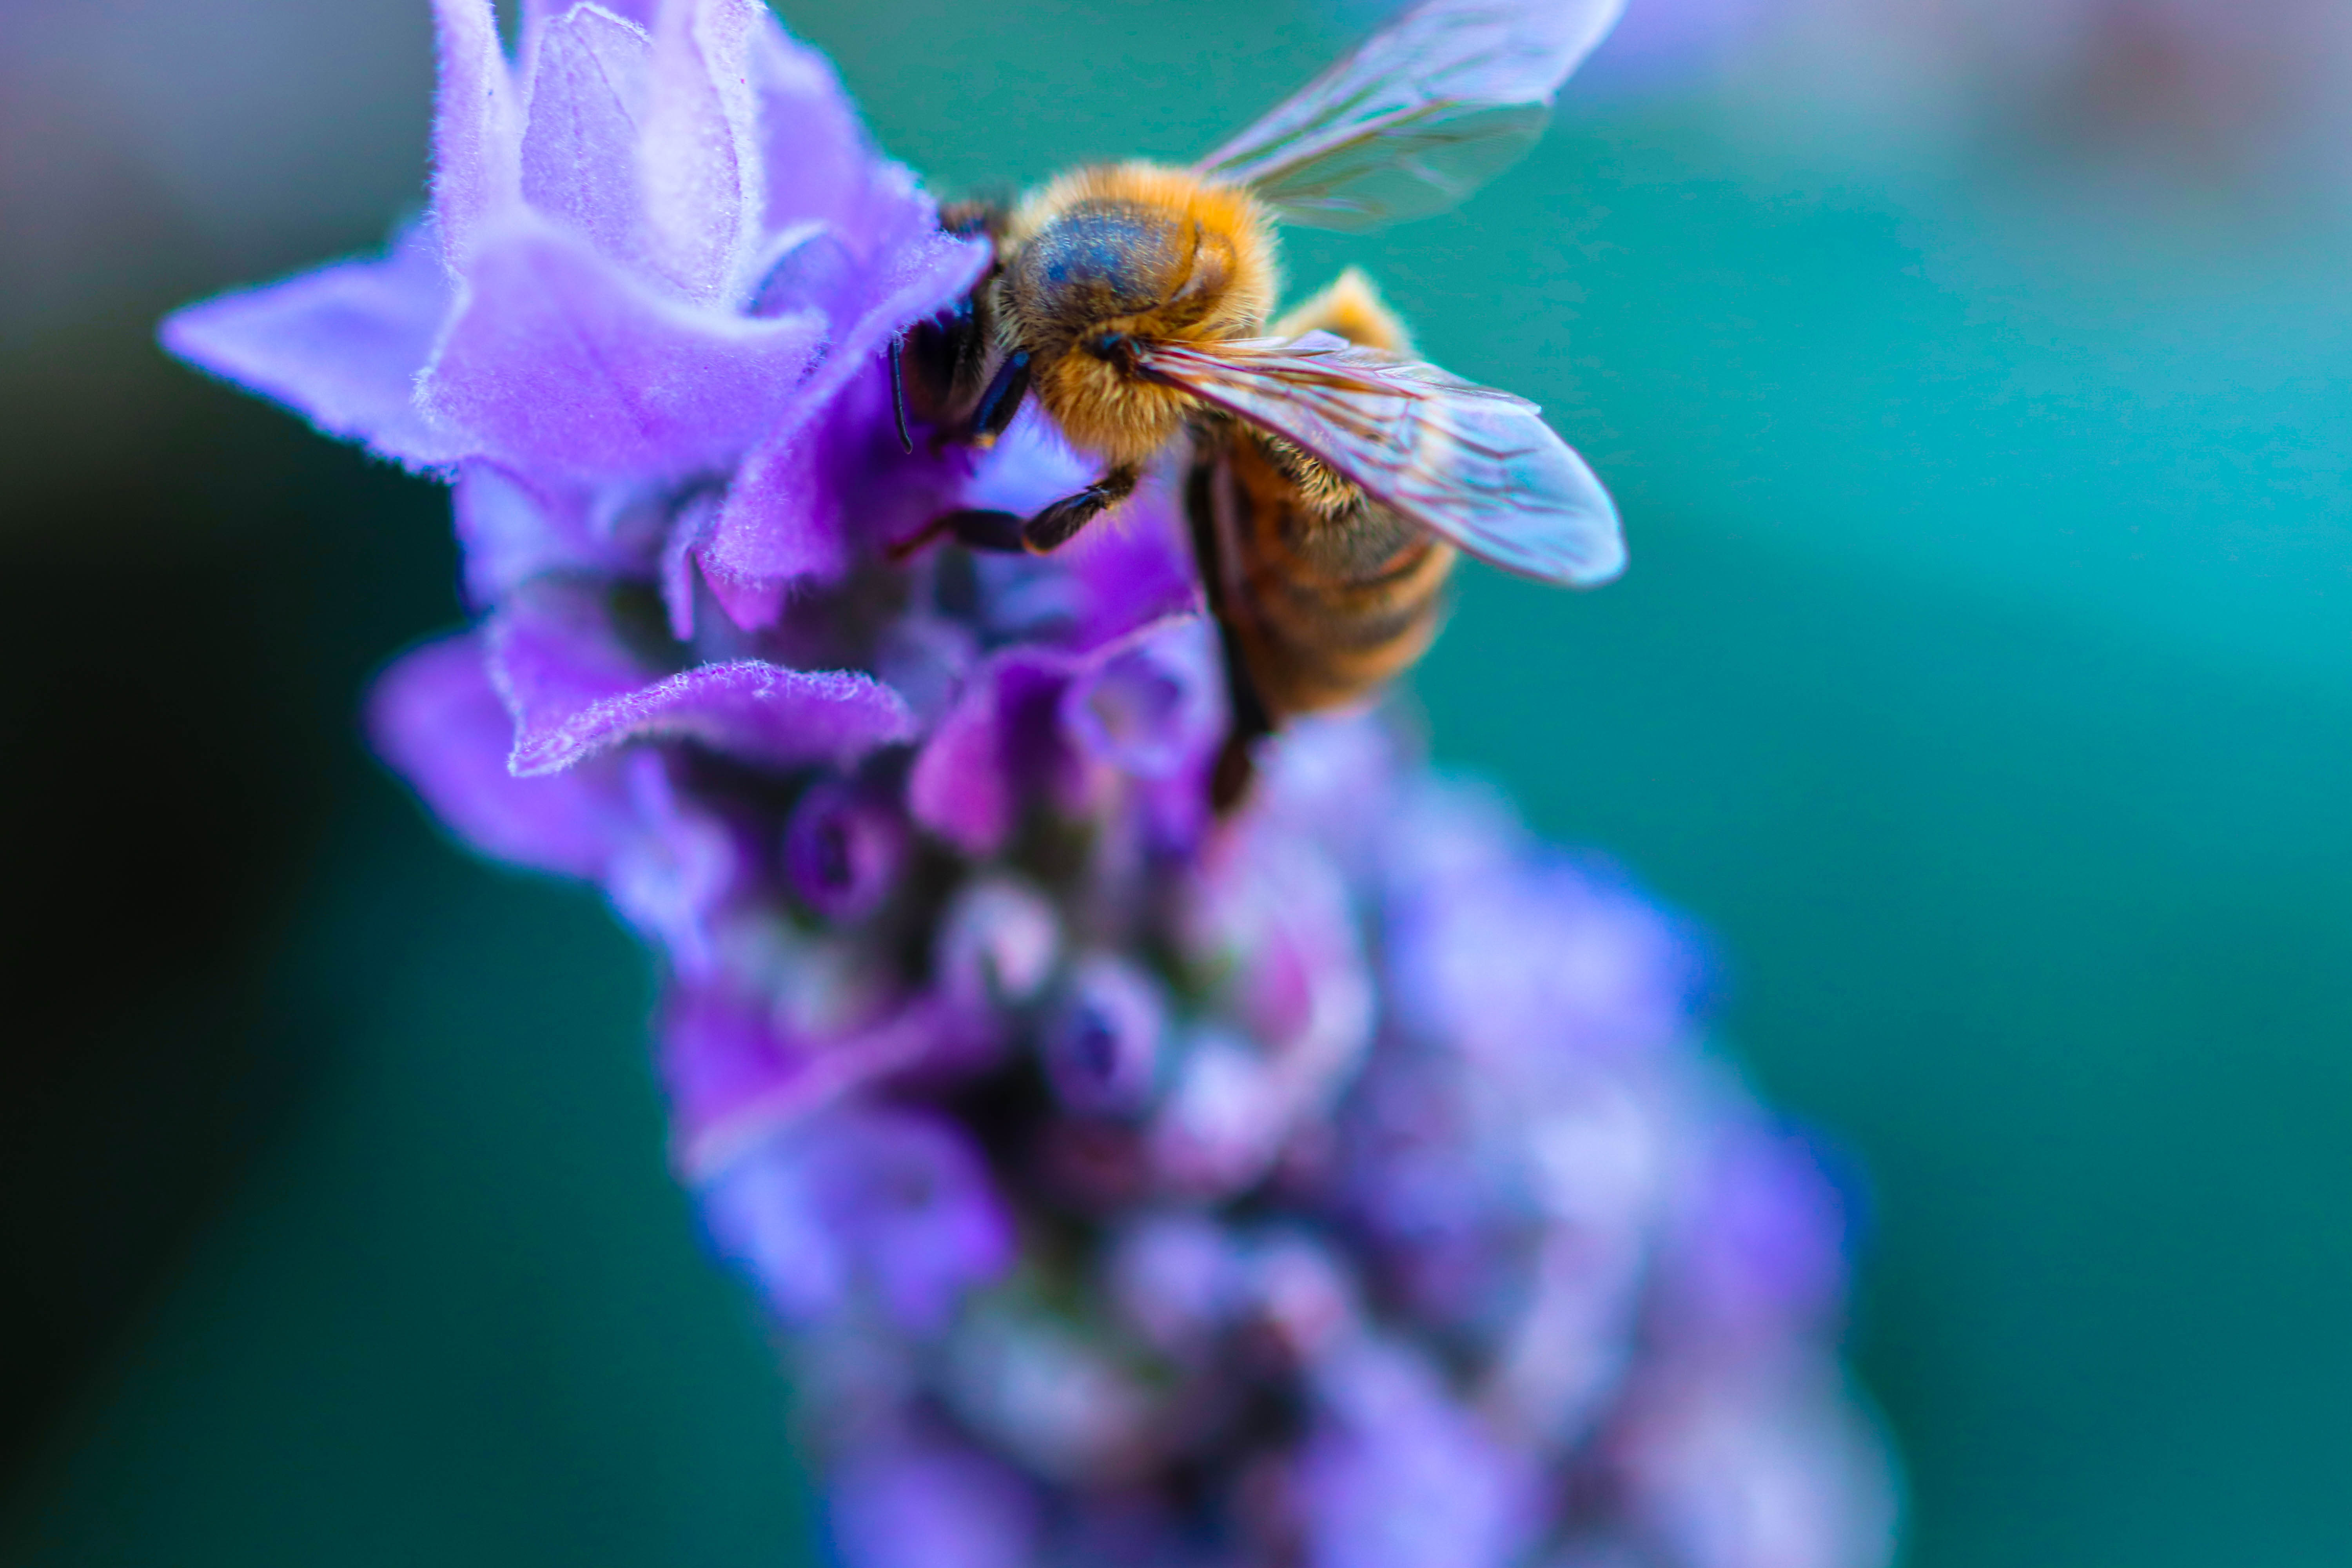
(1424, 112)
(1476, 465)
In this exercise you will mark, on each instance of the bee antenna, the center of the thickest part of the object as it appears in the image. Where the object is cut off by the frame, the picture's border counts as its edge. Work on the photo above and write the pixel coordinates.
(898, 393)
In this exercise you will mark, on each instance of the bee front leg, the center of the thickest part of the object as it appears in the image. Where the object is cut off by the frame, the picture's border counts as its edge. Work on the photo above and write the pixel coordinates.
(1052, 528)
(997, 532)
(1006, 532)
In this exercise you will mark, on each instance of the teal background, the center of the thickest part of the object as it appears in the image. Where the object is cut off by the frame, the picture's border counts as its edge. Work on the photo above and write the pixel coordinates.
(1983, 684)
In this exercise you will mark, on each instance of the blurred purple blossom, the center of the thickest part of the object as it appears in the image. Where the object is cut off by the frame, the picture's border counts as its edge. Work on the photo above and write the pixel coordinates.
(1338, 1184)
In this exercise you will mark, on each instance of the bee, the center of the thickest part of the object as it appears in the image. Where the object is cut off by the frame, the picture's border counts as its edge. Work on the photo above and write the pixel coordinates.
(1333, 477)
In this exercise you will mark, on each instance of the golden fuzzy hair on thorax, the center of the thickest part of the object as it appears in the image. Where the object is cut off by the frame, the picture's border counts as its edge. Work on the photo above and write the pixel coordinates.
(1128, 250)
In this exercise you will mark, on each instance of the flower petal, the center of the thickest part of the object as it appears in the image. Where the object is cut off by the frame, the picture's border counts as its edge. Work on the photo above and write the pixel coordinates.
(437, 719)
(737, 1080)
(559, 361)
(819, 159)
(540, 13)
(1153, 705)
(678, 869)
(1133, 568)
(905, 1504)
(576, 689)
(588, 96)
(829, 478)
(477, 125)
(1515, 964)
(766, 1214)
(807, 496)
(762, 712)
(969, 778)
(1397, 1475)
(513, 532)
(341, 346)
(912, 1189)
(699, 156)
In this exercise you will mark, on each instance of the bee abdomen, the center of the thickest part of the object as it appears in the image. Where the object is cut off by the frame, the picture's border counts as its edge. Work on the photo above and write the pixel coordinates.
(1330, 647)
(1334, 606)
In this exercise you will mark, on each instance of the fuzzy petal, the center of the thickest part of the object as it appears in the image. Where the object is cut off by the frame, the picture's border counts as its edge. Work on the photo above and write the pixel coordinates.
(819, 159)
(342, 346)
(807, 501)
(437, 719)
(970, 776)
(540, 13)
(1133, 568)
(559, 361)
(511, 533)
(700, 155)
(804, 502)
(477, 126)
(589, 94)
(761, 712)
(576, 689)
(737, 1080)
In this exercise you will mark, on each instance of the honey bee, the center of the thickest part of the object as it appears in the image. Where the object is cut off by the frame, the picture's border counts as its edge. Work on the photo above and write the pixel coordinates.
(1333, 477)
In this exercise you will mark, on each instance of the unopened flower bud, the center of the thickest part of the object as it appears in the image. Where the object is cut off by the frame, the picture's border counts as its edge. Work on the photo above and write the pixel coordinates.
(843, 850)
(997, 944)
(1102, 1047)
(1151, 707)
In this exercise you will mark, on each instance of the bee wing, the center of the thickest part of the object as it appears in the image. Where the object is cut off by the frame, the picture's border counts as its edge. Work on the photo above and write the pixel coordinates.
(1424, 112)
(1477, 466)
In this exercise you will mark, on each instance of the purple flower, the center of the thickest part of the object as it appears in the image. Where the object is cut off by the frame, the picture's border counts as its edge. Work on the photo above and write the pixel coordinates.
(1101, 1049)
(919, 1502)
(844, 849)
(879, 1210)
(1335, 1182)
(1397, 1475)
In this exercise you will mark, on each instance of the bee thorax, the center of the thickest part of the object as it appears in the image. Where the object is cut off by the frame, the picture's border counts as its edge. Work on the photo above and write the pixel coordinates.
(1102, 408)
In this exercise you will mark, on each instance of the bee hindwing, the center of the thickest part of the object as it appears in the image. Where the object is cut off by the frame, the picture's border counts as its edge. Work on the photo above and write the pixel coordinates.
(1421, 114)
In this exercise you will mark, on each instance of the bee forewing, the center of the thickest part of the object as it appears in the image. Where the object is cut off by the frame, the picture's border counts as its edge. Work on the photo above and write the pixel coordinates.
(1421, 114)
(1477, 466)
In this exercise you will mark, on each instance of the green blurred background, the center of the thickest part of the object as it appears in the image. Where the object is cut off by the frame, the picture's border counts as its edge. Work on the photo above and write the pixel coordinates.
(1983, 683)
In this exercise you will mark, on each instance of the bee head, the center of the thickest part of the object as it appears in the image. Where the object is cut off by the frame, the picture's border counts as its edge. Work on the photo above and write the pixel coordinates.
(1114, 349)
(1101, 264)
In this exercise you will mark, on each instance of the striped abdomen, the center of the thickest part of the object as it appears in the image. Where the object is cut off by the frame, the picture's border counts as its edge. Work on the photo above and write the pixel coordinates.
(1320, 594)
(1321, 605)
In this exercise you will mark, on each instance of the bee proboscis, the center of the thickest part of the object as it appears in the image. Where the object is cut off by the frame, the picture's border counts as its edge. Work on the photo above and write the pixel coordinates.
(1333, 476)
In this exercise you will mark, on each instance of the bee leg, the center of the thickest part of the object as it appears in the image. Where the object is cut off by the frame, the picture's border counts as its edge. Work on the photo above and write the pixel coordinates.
(898, 353)
(1230, 779)
(1237, 764)
(1000, 531)
(1001, 400)
(1052, 528)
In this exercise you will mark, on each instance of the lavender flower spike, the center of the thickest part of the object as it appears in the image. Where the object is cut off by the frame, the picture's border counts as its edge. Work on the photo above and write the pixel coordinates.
(1336, 1183)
